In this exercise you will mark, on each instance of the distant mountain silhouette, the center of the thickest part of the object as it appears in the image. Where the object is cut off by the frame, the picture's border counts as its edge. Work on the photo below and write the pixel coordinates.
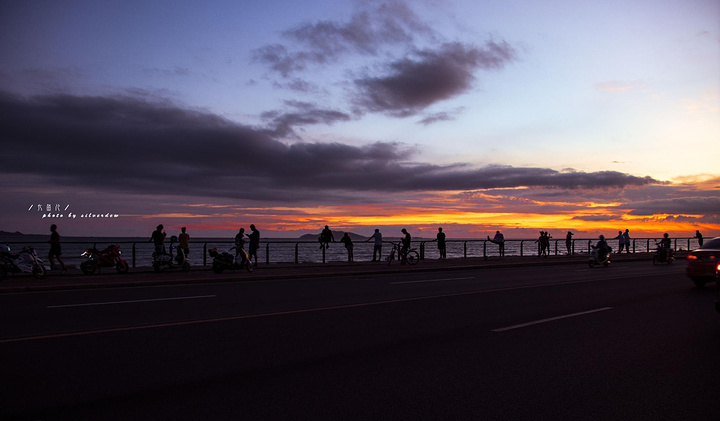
(337, 234)
(13, 234)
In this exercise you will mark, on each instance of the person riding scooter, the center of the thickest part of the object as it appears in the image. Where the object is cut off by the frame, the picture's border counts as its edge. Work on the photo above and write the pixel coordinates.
(601, 253)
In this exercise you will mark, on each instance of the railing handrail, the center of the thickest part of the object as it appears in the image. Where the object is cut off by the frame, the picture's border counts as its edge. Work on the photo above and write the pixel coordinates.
(422, 241)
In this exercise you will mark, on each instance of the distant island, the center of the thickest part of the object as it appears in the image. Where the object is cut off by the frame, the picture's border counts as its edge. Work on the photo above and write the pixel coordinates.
(337, 234)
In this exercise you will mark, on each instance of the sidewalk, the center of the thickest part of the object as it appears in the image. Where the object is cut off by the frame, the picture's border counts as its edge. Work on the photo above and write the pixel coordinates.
(144, 276)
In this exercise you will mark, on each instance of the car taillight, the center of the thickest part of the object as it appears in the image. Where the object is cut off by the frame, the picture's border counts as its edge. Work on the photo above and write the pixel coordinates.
(692, 257)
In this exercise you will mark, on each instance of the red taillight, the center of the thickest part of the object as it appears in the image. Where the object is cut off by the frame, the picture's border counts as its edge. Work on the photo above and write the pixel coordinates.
(692, 257)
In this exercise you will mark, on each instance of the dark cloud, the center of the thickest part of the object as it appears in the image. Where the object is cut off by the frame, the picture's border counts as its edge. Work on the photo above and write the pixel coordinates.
(434, 75)
(684, 205)
(133, 146)
(368, 30)
(283, 123)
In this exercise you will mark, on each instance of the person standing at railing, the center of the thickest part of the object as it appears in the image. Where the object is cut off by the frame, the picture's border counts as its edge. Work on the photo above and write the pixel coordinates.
(441, 243)
(626, 236)
(499, 239)
(621, 241)
(348, 245)
(158, 238)
(184, 243)
(568, 242)
(406, 241)
(254, 237)
(55, 248)
(239, 242)
(377, 245)
(699, 237)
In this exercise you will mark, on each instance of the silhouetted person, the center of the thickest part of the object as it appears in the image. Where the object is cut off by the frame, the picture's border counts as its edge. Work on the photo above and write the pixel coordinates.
(626, 236)
(621, 241)
(377, 245)
(568, 242)
(183, 243)
(441, 243)
(158, 238)
(405, 246)
(55, 248)
(699, 237)
(665, 246)
(326, 236)
(499, 239)
(348, 245)
(254, 245)
(240, 242)
(603, 248)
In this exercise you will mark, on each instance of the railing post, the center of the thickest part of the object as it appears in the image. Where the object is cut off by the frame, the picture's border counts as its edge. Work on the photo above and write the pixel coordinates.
(521, 247)
(267, 253)
(422, 250)
(297, 260)
(589, 246)
(133, 253)
(204, 254)
(465, 250)
(648, 246)
(485, 250)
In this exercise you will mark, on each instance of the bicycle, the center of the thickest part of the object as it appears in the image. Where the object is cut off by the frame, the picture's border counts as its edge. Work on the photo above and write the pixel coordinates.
(411, 256)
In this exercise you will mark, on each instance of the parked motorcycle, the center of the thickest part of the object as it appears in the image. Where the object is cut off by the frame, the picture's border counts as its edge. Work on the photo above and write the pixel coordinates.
(166, 261)
(225, 260)
(25, 261)
(598, 258)
(663, 255)
(97, 259)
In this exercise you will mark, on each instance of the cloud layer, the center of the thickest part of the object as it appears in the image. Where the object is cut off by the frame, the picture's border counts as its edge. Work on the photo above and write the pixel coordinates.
(410, 68)
(130, 145)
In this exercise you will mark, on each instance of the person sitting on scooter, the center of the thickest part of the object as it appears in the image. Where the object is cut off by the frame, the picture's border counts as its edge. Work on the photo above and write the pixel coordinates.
(665, 246)
(602, 248)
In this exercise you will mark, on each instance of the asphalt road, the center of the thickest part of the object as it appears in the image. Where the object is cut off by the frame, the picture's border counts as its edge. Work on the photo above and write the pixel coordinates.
(632, 341)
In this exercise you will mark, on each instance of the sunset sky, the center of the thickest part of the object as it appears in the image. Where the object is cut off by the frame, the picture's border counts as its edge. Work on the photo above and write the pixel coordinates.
(590, 116)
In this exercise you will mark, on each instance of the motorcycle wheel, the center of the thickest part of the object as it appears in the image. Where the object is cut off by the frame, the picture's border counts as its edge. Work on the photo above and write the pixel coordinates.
(656, 259)
(249, 266)
(38, 272)
(606, 263)
(591, 263)
(218, 268)
(121, 266)
(87, 268)
(186, 266)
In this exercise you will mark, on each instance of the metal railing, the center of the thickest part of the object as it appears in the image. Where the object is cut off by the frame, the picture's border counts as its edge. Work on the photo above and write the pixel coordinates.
(294, 251)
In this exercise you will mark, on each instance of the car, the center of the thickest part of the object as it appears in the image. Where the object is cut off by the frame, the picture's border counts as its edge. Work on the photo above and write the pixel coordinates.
(702, 262)
(717, 288)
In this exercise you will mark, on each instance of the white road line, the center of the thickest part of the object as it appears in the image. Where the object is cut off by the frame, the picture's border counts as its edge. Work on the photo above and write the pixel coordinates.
(551, 319)
(432, 280)
(133, 301)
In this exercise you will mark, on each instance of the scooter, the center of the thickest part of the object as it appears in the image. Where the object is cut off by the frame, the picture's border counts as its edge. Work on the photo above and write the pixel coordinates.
(225, 260)
(663, 255)
(164, 260)
(596, 259)
(25, 261)
(96, 259)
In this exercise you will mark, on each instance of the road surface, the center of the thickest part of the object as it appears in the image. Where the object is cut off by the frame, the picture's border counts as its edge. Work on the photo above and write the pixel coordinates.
(632, 341)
